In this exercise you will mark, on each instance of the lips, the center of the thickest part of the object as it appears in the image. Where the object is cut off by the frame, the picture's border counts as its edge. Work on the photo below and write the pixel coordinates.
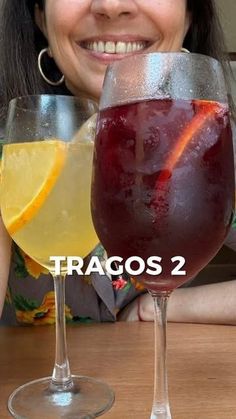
(111, 46)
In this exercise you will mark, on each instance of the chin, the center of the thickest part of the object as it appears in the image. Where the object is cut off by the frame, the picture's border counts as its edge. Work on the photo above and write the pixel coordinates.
(94, 91)
(90, 91)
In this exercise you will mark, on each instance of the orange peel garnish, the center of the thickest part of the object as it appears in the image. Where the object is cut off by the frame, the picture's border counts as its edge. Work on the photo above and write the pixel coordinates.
(196, 125)
(40, 166)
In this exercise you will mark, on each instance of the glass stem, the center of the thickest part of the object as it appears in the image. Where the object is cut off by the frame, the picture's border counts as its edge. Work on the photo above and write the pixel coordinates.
(61, 376)
(160, 407)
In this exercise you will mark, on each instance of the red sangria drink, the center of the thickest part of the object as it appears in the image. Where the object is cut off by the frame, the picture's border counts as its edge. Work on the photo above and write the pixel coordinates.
(164, 183)
(163, 179)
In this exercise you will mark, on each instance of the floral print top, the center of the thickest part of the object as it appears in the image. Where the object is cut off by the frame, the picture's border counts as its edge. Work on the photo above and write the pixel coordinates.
(30, 295)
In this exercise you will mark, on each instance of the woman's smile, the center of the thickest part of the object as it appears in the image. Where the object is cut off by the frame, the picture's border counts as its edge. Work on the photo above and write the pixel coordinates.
(112, 47)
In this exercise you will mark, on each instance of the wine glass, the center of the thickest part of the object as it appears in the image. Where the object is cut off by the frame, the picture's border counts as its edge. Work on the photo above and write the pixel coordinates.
(45, 205)
(163, 181)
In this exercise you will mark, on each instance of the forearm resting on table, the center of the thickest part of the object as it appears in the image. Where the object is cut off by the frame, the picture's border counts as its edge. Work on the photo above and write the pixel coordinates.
(213, 303)
(5, 256)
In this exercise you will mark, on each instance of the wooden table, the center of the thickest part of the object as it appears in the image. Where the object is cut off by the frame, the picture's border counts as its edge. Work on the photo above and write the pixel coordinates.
(201, 360)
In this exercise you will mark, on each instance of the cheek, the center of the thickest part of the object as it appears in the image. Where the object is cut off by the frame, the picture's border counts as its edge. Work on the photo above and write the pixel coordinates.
(174, 31)
(64, 16)
(58, 28)
(169, 16)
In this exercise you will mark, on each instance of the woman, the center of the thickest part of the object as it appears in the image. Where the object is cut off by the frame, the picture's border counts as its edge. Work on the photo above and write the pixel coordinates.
(75, 41)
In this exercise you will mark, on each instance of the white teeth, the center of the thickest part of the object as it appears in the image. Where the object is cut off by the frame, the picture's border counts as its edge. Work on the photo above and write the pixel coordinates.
(94, 46)
(139, 46)
(100, 46)
(119, 47)
(110, 47)
(129, 47)
(134, 46)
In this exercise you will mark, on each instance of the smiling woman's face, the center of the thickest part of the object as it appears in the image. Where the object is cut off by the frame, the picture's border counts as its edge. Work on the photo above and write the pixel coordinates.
(86, 35)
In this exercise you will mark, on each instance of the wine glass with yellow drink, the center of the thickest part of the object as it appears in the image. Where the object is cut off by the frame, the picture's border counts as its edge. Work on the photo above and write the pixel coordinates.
(45, 205)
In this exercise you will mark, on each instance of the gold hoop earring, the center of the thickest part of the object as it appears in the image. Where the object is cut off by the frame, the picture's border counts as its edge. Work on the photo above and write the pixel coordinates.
(52, 83)
(185, 50)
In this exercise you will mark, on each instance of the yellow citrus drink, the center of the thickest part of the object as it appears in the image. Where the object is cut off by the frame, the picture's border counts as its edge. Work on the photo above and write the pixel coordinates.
(45, 198)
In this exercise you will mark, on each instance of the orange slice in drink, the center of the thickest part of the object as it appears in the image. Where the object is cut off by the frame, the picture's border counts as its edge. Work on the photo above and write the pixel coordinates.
(204, 115)
(29, 173)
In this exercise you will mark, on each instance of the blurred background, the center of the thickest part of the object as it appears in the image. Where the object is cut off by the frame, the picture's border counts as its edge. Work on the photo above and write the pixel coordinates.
(227, 9)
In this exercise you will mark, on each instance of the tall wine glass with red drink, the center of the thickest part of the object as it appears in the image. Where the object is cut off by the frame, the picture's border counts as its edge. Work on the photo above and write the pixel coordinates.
(163, 182)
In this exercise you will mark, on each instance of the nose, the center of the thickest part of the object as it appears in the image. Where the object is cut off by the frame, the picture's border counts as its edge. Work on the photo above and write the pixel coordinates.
(113, 9)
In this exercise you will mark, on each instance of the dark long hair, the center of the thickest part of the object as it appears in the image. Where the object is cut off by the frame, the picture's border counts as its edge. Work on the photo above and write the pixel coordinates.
(21, 41)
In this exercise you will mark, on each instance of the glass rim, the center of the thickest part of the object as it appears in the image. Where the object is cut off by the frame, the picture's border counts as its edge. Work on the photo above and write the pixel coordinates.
(129, 73)
(162, 53)
(16, 100)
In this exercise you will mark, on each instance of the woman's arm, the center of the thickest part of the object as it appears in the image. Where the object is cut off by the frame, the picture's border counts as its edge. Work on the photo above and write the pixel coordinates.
(5, 256)
(213, 303)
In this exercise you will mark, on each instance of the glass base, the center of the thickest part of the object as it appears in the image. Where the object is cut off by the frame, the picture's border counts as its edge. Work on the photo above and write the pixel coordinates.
(87, 399)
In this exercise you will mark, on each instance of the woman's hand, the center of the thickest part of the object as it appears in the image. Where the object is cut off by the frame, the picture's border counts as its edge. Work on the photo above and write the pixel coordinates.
(139, 309)
(5, 257)
(213, 303)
